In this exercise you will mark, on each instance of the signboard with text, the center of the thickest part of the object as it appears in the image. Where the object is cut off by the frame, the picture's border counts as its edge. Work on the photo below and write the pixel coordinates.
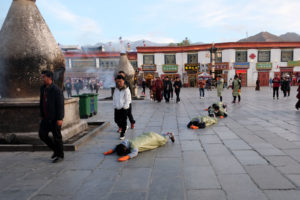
(192, 67)
(264, 66)
(149, 67)
(293, 63)
(170, 68)
(241, 65)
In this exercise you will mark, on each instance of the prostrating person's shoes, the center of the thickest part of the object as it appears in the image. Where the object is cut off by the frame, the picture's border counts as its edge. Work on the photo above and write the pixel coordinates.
(171, 136)
(57, 159)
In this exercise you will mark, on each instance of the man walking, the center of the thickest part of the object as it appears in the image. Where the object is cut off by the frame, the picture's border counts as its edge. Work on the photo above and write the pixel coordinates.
(68, 87)
(201, 84)
(276, 85)
(167, 89)
(121, 102)
(52, 114)
(177, 86)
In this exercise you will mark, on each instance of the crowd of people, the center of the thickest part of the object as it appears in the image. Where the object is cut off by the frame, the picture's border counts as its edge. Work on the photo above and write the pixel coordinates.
(52, 110)
(165, 88)
(79, 84)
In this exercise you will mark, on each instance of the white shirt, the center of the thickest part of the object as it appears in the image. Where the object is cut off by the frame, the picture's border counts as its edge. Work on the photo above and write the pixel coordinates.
(121, 98)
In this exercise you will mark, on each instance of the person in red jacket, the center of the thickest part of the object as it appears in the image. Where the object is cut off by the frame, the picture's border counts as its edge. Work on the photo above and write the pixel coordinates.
(276, 85)
(298, 96)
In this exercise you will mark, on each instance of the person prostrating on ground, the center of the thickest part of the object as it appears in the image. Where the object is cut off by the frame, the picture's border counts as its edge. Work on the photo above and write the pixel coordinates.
(147, 141)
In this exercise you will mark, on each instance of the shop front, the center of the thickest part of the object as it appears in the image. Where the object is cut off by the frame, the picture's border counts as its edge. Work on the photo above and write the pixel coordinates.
(221, 69)
(171, 71)
(149, 73)
(191, 74)
(263, 70)
(241, 69)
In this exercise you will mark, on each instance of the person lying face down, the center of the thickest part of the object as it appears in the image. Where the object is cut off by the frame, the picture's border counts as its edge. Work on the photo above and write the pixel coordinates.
(128, 149)
(201, 122)
(217, 110)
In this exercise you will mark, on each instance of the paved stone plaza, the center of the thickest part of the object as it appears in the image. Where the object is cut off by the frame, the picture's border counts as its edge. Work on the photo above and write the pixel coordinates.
(254, 154)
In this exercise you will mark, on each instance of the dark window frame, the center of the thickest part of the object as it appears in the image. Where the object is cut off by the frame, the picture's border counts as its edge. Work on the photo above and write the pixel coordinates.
(286, 50)
(261, 51)
(174, 59)
(153, 60)
(240, 51)
(192, 54)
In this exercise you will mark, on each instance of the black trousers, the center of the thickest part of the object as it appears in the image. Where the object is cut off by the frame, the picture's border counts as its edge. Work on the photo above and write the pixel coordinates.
(121, 119)
(144, 89)
(234, 98)
(167, 95)
(286, 92)
(129, 114)
(177, 92)
(275, 90)
(201, 92)
(171, 94)
(55, 143)
(69, 92)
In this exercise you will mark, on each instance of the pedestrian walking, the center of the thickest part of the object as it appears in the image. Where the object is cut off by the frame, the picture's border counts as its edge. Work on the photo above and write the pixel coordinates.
(220, 86)
(298, 96)
(68, 87)
(177, 86)
(52, 114)
(129, 111)
(286, 86)
(96, 86)
(158, 89)
(144, 87)
(270, 82)
(208, 84)
(147, 141)
(236, 89)
(202, 84)
(121, 101)
(91, 86)
(77, 87)
(257, 88)
(171, 90)
(276, 85)
(167, 89)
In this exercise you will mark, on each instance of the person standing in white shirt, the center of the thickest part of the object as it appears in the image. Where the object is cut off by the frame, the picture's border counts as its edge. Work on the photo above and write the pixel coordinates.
(121, 101)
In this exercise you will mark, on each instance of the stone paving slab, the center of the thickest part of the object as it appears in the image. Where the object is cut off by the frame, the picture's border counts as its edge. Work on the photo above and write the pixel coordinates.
(256, 148)
(268, 178)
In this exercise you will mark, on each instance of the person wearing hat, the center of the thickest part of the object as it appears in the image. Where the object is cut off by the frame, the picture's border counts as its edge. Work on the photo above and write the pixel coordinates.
(286, 86)
(121, 101)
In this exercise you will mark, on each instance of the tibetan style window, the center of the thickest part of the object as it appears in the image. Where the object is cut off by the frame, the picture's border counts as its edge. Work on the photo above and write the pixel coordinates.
(170, 59)
(218, 57)
(241, 56)
(287, 55)
(264, 56)
(148, 59)
(192, 58)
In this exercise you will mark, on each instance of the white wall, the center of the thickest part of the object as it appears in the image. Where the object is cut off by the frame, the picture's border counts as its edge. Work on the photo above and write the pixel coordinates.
(140, 60)
(296, 54)
(228, 55)
(204, 57)
(159, 60)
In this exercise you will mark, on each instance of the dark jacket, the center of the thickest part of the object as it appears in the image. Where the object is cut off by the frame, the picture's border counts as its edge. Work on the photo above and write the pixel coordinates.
(168, 85)
(55, 103)
(178, 84)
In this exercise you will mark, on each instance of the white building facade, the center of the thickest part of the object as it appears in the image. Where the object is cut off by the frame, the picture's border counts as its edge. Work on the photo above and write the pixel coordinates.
(249, 60)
